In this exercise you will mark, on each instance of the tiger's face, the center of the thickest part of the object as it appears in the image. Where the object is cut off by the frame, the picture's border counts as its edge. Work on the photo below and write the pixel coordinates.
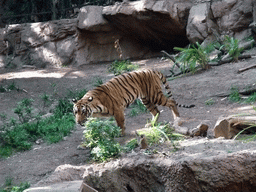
(82, 109)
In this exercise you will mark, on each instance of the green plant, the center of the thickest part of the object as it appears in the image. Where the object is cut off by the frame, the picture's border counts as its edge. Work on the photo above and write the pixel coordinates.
(132, 144)
(18, 136)
(2, 89)
(209, 102)
(10, 187)
(24, 110)
(46, 99)
(191, 56)
(231, 46)
(99, 136)
(98, 82)
(137, 108)
(119, 67)
(251, 98)
(78, 94)
(12, 86)
(160, 133)
(234, 95)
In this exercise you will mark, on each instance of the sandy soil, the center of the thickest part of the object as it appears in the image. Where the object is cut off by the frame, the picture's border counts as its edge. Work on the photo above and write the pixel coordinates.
(43, 159)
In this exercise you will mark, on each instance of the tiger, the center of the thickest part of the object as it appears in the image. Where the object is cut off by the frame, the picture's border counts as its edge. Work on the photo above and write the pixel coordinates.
(112, 97)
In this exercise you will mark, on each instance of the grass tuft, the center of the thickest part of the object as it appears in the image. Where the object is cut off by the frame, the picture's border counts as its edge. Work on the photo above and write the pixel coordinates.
(137, 108)
(119, 67)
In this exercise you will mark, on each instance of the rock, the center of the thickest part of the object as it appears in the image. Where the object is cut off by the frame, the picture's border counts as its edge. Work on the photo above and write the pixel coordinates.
(230, 126)
(67, 186)
(157, 24)
(221, 129)
(142, 28)
(197, 27)
(63, 173)
(212, 19)
(90, 18)
(200, 165)
(200, 130)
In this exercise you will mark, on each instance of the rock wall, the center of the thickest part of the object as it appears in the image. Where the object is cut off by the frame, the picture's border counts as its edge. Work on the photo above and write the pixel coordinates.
(203, 165)
(131, 30)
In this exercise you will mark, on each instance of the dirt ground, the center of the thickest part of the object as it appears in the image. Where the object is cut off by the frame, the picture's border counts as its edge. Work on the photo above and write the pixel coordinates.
(42, 160)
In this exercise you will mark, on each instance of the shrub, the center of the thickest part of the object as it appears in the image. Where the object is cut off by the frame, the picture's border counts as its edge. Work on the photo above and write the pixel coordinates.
(24, 110)
(137, 108)
(119, 67)
(231, 46)
(99, 136)
(234, 95)
(193, 55)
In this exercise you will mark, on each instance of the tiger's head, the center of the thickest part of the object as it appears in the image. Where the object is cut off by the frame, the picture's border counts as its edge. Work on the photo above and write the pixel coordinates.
(82, 109)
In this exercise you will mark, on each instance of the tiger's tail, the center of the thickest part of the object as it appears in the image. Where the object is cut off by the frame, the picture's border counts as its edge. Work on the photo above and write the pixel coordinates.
(168, 89)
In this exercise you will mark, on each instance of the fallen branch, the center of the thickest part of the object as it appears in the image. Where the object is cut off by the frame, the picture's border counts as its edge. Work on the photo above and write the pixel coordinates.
(246, 91)
(246, 68)
(228, 60)
(172, 58)
(232, 126)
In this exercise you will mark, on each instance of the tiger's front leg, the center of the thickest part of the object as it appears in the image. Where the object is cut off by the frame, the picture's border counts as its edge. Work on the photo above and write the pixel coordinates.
(119, 116)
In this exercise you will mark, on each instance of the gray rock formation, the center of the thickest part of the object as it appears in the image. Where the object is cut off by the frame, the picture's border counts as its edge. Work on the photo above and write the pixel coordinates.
(202, 165)
(141, 28)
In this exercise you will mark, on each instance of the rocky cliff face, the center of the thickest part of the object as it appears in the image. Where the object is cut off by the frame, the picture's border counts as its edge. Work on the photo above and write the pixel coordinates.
(202, 165)
(127, 30)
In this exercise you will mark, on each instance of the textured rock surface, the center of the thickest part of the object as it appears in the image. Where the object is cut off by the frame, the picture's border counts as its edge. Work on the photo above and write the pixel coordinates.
(199, 165)
(142, 28)
(159, 24)
(211, 19)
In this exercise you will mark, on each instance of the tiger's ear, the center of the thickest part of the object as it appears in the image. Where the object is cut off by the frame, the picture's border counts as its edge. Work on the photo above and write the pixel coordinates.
(74, 100)
(90, 98)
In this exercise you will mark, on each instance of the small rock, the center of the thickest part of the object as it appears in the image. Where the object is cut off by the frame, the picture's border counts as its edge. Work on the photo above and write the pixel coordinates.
(200, 130)
(39, 141)
(221, 129)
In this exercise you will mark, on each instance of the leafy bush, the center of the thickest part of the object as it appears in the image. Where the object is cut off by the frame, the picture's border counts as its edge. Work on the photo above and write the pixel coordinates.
(76, 94)
(137, 108)
(132, 144)
(18, 136)
(10, 87)
(98, 82)
(99, 136)
(10, 187)
(24, 110)
(119, 67)
(46, 99)
(193, 55)
(251, 98)
(159, 134)
(231, 46)
(234, 95)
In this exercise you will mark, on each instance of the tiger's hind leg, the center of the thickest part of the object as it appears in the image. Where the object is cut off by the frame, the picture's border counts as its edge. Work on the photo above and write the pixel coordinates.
(152, 108)
(171, 103)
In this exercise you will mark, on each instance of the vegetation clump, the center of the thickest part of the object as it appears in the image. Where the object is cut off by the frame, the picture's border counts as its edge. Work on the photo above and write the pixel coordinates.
(19, 135)
(100, 137)
(9, 186)
(137, 108)
(119, 67)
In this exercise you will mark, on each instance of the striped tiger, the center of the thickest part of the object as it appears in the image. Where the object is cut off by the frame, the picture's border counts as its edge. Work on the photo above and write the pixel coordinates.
(111, 98)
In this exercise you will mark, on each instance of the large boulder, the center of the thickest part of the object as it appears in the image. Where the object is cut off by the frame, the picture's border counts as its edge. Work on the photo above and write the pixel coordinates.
(127, 30)
(200, 165)
(158, 24)
(211, 19)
